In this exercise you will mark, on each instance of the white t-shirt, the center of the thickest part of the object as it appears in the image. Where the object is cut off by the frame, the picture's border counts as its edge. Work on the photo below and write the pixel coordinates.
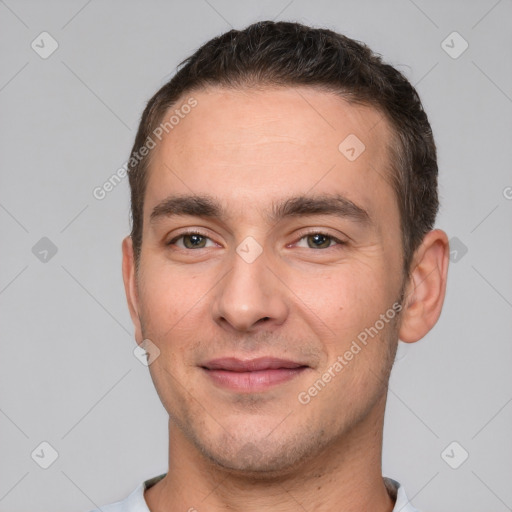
(135, 502)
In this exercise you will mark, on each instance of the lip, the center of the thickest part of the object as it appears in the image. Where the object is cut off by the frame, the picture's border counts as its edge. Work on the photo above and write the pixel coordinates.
(251, 375)
(234, 364)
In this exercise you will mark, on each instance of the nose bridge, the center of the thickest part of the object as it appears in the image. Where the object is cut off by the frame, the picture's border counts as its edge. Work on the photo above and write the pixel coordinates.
(249, 293)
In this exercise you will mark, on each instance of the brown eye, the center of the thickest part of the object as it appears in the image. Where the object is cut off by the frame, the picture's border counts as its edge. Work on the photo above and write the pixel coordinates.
(194, 241)
(191, 241)
(319, 241)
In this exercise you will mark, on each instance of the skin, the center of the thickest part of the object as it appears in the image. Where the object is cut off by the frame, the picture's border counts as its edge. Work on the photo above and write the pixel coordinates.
(249, 150)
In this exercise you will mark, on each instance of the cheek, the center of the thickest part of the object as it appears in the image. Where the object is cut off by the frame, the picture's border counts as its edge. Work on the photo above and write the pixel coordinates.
(342, 301)
(171, 304)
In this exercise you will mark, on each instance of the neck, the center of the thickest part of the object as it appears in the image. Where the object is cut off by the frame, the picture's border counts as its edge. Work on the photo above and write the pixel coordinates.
(345, 476)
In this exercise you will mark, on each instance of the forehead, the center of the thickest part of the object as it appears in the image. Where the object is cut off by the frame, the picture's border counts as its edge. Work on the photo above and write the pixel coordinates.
(276, 115)
(260, 145)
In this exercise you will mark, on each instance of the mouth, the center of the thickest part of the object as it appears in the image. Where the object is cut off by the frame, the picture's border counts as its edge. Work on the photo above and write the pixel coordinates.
(252, 375)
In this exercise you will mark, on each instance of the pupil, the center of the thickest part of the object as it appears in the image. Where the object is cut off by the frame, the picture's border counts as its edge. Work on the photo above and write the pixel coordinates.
(319, 240)
(194, 240)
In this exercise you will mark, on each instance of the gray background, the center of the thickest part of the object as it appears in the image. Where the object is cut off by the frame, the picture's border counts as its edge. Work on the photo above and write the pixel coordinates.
(67, 369)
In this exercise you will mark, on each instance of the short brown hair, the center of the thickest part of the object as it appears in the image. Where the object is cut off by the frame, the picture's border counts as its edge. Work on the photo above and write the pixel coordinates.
(291, 54)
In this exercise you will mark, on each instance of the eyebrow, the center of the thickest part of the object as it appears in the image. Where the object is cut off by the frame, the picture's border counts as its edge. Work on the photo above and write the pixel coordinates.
(208, 207)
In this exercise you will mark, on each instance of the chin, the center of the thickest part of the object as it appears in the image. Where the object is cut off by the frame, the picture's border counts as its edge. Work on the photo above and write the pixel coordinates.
(253, 464)
(259, 460)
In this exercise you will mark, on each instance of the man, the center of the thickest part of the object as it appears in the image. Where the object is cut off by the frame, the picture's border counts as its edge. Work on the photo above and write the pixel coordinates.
(284, 192)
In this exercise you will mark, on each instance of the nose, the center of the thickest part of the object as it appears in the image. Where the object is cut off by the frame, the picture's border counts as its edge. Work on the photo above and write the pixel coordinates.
(250, 296)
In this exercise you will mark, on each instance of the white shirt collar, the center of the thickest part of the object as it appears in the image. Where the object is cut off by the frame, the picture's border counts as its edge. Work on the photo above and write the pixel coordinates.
(135, 502)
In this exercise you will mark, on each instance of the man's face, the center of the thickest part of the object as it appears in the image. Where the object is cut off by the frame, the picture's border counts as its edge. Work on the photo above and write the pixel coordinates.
(275, 259)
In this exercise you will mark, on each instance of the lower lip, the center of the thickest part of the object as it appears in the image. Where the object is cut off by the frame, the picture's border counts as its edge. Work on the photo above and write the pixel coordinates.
(253, 381)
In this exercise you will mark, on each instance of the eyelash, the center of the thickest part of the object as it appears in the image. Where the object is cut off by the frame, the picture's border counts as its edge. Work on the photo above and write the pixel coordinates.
(302, 235)
(187, 233)
(327, 235)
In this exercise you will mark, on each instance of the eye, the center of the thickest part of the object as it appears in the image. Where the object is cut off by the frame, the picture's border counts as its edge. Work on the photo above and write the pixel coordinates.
(192, 240)
(319, 241)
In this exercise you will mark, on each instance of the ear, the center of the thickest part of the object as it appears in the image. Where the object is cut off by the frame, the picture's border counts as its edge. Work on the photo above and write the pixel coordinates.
(130, 286)
(426, 288)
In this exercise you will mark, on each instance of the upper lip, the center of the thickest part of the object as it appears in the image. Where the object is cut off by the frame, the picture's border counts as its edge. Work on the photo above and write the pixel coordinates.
(250, 365)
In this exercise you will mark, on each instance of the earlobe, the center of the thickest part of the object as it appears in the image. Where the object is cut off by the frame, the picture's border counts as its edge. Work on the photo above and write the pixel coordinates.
(426, 289)
(130, 285)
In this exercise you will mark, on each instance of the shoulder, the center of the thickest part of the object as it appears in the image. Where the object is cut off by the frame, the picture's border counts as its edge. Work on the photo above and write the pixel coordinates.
(397, 492)
(134, 502)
